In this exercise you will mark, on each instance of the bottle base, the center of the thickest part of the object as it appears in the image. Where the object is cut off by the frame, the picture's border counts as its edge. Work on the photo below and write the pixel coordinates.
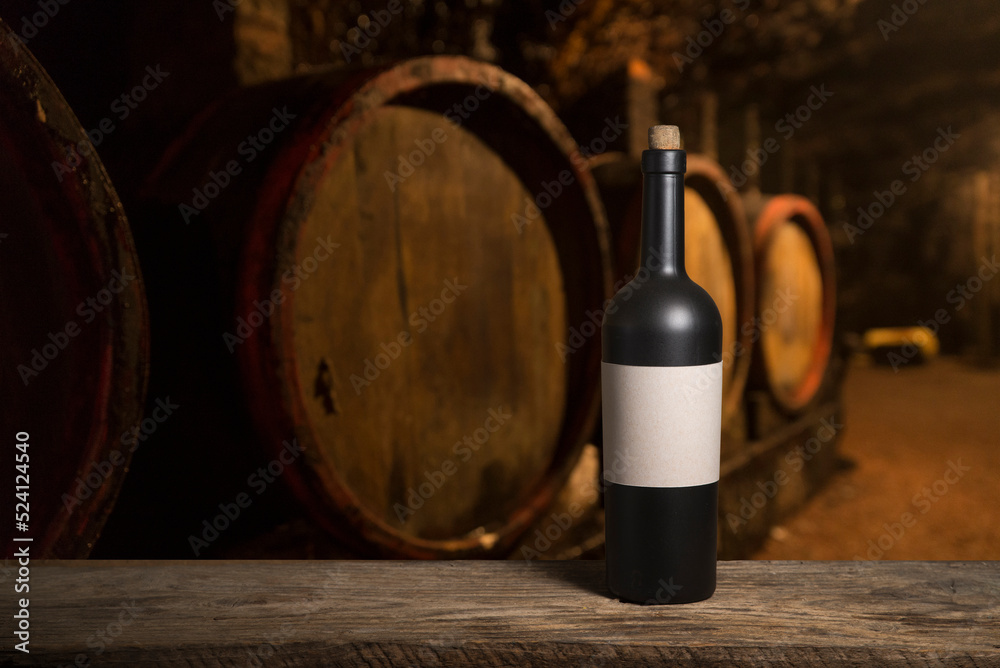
(661, 542)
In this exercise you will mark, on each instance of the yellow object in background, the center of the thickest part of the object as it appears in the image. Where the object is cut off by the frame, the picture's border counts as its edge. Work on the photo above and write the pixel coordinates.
(911, 340)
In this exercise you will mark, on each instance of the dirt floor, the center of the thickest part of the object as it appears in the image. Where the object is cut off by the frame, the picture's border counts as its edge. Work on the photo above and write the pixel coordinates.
(922, 476)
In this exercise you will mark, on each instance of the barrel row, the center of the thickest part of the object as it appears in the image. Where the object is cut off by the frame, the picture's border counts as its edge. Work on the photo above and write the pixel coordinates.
(407, 256)
(382, 287)
(368, 281)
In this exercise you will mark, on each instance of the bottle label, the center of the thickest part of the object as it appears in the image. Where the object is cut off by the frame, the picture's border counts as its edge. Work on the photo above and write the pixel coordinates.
(662, 424)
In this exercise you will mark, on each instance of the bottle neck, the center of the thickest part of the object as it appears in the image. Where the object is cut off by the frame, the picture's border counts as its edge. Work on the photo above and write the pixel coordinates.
(663, 223)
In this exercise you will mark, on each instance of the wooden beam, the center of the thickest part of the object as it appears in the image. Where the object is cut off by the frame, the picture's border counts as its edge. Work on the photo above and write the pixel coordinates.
(505, 613)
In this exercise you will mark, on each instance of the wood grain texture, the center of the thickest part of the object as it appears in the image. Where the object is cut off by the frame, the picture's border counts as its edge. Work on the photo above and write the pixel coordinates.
(790, 290)
(444, 234)
(439, 310)
(796, 298)
(710, 265)
(509, 613)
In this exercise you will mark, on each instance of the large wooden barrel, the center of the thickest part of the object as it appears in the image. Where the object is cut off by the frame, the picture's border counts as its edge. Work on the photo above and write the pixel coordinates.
(74, 331)
(407, 259)
(717, 248)
(796, 299)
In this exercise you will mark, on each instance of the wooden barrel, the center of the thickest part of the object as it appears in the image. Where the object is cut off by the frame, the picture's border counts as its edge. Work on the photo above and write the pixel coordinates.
(717, 247)
(74, 331)
(409, 257)
(796, 299)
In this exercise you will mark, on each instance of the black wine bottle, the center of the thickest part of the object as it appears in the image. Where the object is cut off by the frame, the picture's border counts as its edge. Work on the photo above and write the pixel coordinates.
(661, 379)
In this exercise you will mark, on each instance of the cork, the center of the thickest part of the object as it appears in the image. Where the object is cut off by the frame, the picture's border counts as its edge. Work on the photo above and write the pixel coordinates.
(665, 137)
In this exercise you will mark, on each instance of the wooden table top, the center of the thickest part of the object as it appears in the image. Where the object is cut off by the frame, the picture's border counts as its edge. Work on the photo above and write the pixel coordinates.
(301, 613)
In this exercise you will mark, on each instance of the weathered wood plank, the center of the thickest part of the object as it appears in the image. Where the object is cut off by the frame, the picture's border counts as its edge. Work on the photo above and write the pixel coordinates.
(507, 613)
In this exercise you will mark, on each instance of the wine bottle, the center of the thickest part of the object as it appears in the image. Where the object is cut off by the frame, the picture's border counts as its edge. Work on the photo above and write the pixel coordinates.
(661, 378)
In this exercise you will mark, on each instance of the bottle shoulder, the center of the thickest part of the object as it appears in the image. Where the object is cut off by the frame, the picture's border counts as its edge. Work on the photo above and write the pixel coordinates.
(663, 321)
(678, 299)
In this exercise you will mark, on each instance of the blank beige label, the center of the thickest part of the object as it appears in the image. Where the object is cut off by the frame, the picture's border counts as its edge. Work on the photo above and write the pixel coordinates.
(662, 425)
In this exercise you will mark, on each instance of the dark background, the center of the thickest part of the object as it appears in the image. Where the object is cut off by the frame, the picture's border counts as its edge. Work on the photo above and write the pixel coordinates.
(900, 73)
(893, 88)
